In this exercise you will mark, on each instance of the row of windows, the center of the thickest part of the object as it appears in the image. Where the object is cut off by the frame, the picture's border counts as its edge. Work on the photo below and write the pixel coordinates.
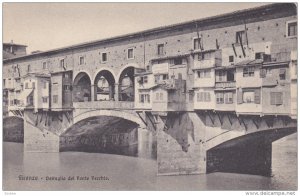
(144, 98)
(222, 75)
(247, 96)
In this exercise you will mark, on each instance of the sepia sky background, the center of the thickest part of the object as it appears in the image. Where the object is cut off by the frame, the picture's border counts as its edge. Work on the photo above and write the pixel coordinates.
(45, 26)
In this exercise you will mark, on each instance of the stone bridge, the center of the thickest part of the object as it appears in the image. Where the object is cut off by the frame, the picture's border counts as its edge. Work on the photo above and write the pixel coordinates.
(188, 142)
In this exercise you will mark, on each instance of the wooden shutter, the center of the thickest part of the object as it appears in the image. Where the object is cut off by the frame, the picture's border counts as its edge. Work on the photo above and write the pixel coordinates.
(273, 98)
(257, 96)
(239, 96)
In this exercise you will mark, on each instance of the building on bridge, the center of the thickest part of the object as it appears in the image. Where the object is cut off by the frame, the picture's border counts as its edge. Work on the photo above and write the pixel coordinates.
(235, 69)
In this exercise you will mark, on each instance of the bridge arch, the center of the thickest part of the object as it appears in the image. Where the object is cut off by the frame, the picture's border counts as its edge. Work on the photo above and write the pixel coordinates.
(82, 87)
(115, 113)
(126, 82)
(104, 85)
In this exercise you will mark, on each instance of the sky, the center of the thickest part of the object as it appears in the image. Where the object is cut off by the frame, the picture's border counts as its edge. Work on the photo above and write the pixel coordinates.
(46, 26)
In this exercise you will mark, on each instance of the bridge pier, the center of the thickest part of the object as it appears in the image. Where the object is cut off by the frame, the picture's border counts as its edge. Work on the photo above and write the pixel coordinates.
(180, 144)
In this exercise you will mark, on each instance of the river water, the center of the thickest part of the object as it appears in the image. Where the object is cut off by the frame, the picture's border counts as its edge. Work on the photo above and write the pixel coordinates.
(117, 172)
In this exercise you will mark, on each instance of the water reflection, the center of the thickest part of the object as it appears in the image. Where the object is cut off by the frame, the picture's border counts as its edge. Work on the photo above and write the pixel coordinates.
(131, 173)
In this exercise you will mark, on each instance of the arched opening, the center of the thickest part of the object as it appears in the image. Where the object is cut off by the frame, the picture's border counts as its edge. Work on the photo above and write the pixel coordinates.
(126, 85)
(82, 88)
(104, 86)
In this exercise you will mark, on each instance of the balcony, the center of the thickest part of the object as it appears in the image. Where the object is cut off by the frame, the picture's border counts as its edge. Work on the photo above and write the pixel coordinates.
(227, 84)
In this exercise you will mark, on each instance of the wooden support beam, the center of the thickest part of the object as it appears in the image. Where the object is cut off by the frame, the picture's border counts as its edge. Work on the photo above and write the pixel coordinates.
(255, 123)
(41, 117)
(233, 47)
(220, 118)
(138, 113)
(67, 116)
(270, 122)
(211, 119)
(60, 117)
(37, 119)
(241, 121)
(46, 119)
(230, 120)
(154, 127)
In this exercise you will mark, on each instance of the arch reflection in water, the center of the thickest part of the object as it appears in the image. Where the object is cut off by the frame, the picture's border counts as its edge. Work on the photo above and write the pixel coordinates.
(111, 135)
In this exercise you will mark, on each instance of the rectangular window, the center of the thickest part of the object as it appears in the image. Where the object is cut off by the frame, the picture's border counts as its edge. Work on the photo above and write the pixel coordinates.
(66, 87)
(28, 68)
(228, 97)
(282, 74)
(259, 55)
(248, 72)
(145, 79)
(141, 98)
(197, 43)
(220, 76)
(62, 63)
(45, 85)
(220, 98)
(276, 98)
(160, 49)
(55, 98)
(292, 29)
(240, 37)
(161, 96)
(178, 61)
(231, 59)
(165, 76)
(248, 96)
(130, 54)
(45, 99)
(203, 74)
(66, 75)
(45, 65)
(104, 57)
(81, 60)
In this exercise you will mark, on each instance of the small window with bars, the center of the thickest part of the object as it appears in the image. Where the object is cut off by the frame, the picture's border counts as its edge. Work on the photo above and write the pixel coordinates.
(292, 29)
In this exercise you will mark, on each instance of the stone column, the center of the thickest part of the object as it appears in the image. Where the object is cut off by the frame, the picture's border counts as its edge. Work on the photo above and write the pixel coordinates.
(116, 92)
(93, 93)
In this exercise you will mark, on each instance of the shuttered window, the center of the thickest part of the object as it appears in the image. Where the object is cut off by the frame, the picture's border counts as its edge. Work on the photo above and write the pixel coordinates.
(276, 98)
(257, 96)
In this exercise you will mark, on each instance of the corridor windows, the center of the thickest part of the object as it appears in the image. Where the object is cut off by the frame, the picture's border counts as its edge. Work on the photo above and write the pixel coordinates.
(103, 57)
(45, 65)
(130, 53)
(144, 98)
(231, 59)
(159, 96)
(81, 60)
(196, 43)
(292, 29)
(62, 63)
(160, 49)
(248, 72)
(276, 98)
